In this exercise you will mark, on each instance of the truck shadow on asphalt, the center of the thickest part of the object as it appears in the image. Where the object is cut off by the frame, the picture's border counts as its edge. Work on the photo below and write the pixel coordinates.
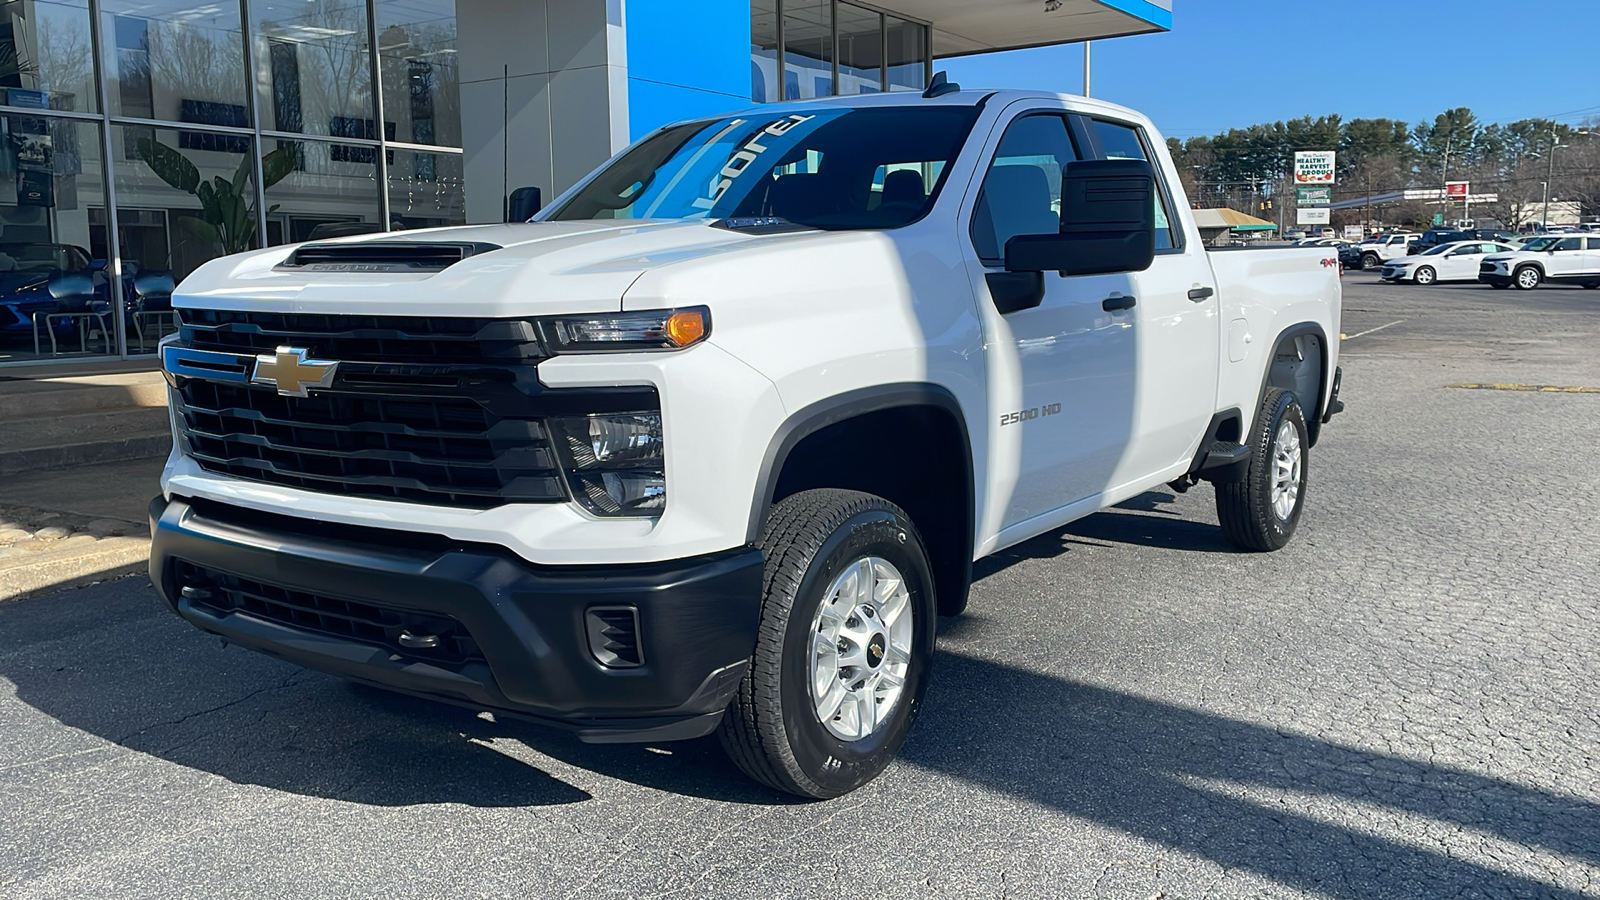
(1240, 794)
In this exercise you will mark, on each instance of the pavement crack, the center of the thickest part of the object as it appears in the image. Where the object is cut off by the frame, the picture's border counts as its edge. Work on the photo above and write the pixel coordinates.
(285, 684)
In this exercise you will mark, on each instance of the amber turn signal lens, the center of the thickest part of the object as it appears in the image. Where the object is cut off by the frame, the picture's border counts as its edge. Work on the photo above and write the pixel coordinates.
(685, 327)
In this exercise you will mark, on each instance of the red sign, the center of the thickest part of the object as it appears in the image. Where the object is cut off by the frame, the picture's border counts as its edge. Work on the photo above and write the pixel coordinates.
(1456, 190)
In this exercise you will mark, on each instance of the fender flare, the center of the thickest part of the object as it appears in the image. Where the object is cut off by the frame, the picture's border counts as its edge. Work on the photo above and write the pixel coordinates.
(838, 408)
(842, 407)
(1324, 374)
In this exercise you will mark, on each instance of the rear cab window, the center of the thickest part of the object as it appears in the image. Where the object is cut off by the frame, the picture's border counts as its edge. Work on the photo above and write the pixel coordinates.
(1122, 141)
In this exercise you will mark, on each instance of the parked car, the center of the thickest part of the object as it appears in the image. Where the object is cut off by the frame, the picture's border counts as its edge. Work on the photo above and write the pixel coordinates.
(1295, 235)
(1350, 255)
(1572, 259)
(1375, 251)
(679, 496)
(25, 273)
(1456, 261)
(1433, 237)
(1489, 234)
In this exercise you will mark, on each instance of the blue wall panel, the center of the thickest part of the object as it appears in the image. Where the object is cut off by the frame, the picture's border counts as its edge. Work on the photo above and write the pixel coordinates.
(686, 59)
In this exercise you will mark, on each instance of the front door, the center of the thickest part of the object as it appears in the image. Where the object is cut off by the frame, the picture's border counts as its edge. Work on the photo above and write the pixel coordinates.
(1061, 374)
(1565, 258)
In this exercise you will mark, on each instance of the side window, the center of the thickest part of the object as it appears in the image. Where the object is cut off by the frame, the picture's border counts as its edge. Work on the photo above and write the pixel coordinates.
(1569, 244)
(1125, 142)
(1594, 243)
(1021, 192)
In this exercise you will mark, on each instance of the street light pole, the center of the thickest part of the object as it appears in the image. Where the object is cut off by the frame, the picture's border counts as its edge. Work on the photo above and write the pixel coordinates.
(1086, 68)
(1550, 175)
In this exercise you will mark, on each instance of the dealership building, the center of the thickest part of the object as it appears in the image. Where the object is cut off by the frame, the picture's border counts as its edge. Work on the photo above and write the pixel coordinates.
(144, 137)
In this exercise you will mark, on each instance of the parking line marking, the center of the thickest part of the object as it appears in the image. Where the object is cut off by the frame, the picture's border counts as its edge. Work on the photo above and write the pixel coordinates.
(1370, 330)
(1540, 388)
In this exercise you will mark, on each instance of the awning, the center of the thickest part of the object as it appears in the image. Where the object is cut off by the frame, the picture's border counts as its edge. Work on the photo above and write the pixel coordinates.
(964, 26)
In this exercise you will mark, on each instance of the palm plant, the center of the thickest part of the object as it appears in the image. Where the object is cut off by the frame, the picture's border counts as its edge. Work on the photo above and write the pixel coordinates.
(227, 220)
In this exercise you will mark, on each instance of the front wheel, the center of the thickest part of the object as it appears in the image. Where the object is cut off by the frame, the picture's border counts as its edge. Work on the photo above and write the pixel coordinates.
(1370, 261)
(1425, 276)
(1528, 278)
(1260, 511)
(842, 655)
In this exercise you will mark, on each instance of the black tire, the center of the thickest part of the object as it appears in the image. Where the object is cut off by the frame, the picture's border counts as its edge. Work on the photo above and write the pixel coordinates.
(1245, 507)
(1431, 278)
(1591, 285)
(1527, 278)
(771, 729)
(1370, 261)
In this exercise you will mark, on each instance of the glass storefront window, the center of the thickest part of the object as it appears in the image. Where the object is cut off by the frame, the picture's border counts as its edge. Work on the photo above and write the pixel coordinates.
(176, 60)
(807, 49)
(421, 79)
(56, 299)
(321, 193)
(908, 54)
(163, 225)
(46, 60)
(764, 51)
(860, 50)
(426, 190)
(313, 69)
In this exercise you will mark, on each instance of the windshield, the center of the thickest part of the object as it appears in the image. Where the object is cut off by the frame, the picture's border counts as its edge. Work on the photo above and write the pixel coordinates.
(825, 168)
(1543, 243)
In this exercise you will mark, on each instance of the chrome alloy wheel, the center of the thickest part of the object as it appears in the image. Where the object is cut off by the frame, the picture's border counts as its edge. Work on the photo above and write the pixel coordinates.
(1287, 464)
(861, 648)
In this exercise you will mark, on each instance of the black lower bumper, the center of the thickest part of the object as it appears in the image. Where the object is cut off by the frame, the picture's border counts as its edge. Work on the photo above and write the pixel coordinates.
(469, 624)
(1501, 280)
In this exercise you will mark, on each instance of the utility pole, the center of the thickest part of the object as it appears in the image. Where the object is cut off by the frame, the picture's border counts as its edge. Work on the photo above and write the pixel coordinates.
(1086, 68)
(1550, 174)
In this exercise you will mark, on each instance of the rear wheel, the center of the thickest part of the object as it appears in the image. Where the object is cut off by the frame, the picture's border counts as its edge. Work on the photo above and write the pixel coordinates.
(1527, 278)
(1261, 511)
(1370, 261)
(1425, 276)
(842, 656)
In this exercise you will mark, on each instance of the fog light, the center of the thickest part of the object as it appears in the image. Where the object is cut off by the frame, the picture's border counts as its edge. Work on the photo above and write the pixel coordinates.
(615, 462)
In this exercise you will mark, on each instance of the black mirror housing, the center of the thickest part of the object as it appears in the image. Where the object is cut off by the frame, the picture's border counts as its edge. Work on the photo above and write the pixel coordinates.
(1107, 222)
(523, 204)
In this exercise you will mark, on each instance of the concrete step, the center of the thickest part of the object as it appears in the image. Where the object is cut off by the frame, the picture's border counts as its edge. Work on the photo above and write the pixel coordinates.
(47, 396)
(143, 446)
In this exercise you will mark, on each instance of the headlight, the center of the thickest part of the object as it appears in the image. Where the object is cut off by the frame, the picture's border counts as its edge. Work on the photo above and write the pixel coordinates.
(615, 462)
(661, 329)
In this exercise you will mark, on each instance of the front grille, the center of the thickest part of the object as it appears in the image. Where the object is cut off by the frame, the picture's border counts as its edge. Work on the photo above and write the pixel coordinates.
(1486, 267)
(445, 449)
(399, 631)
(377, 339)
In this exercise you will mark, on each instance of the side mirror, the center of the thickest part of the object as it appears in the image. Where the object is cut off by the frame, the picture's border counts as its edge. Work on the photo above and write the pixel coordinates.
(1108, 222)
(523, 204)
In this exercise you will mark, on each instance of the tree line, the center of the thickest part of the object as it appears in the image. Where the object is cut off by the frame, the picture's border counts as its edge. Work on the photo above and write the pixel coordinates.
(1249, 168)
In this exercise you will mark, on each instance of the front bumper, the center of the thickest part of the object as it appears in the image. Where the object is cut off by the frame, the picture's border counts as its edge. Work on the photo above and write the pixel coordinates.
(1494, 278)
(518, 637)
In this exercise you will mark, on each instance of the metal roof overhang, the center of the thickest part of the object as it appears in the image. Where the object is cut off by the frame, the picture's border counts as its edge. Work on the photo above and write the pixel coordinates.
(961, 27)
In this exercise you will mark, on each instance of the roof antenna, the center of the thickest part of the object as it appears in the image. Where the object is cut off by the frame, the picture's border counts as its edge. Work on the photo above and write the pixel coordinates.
(940, 86)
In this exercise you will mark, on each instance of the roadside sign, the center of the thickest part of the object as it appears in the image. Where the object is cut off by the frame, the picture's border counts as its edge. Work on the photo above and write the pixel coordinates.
(1354, 231)
(1313, 167)
(1456, 190)
(1310, 215)
(1313, 196)
(1438, 218)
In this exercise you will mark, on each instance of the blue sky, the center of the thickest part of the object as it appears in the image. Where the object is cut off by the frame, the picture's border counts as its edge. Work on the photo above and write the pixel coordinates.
(1233, 63)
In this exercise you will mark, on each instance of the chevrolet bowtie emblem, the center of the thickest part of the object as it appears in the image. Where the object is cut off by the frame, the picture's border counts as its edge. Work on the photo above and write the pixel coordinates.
(292, 373)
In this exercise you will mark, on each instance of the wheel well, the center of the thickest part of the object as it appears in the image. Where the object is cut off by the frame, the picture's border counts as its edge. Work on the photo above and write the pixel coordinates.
(1298, 366)
(917, 458)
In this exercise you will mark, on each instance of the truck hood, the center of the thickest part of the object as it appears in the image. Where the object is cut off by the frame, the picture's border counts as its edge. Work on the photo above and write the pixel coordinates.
(540, 268)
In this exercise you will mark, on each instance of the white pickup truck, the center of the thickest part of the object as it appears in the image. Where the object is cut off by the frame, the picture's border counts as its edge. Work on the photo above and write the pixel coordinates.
(709, 444)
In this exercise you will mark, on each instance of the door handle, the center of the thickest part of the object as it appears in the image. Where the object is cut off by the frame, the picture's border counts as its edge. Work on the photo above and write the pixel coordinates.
(1200, 293)
(1112, 304)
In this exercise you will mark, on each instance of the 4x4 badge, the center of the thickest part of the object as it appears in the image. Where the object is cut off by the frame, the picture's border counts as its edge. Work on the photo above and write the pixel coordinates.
(292, 373)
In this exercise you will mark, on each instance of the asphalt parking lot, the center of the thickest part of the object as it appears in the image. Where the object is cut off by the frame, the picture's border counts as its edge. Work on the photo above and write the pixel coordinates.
(1403, 703)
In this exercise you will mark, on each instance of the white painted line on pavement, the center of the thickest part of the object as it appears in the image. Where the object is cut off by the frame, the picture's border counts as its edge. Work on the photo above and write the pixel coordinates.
(1369, 331)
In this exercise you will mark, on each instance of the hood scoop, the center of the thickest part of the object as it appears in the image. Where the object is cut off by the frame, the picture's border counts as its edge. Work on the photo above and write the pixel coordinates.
(382, 256)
